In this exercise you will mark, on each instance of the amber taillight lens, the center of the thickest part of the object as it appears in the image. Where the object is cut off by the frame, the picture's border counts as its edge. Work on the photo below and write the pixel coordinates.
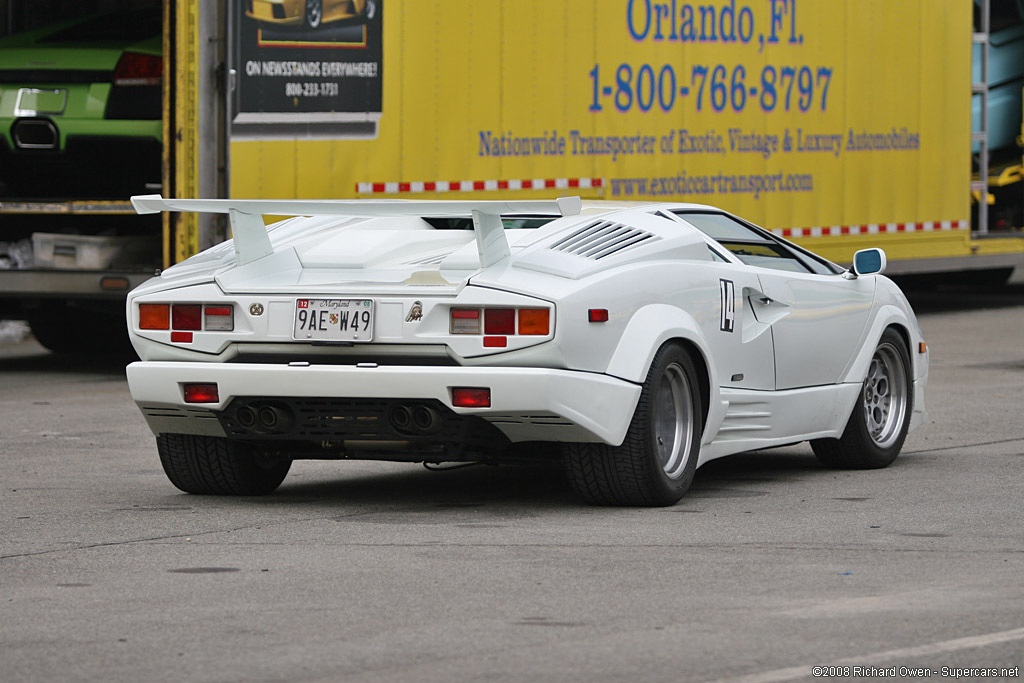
(154, 316)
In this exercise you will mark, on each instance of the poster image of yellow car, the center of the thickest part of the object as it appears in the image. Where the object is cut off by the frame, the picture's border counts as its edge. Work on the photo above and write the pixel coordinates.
(309, 13)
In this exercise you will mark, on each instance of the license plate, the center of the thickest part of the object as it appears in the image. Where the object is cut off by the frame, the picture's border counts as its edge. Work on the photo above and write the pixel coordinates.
(333, 320)
(36, 102)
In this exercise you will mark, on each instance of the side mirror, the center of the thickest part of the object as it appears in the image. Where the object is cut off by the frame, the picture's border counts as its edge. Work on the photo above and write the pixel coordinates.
(868, 262)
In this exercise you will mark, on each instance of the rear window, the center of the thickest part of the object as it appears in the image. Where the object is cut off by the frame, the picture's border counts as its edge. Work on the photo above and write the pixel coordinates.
(509, 222)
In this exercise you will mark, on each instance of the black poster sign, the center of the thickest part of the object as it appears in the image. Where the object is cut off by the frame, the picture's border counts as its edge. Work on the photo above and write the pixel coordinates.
(306, 68)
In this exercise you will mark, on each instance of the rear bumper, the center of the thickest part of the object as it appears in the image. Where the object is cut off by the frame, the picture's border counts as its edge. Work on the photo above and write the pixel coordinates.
(527, 404)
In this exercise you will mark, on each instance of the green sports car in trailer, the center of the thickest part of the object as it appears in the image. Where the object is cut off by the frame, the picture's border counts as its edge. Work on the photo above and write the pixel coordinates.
(81, 108)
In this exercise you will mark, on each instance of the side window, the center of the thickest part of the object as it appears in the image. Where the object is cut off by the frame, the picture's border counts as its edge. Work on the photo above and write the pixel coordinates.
(754, 246)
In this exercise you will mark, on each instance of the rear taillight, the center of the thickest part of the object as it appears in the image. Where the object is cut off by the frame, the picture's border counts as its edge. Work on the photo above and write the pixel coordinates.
(534, 320)
(138, 69)
(218, 318)
(465, 321)
(500, 322)
(154, 316)
(136, 93)
(186, 317)
(183, 319)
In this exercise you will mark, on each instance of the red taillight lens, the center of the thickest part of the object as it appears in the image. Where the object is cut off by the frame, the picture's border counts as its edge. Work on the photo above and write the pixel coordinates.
(154, 316)
(598, 315)
(499, 321)
(201, 393)
(465, 321)
(471, 397)
(187, 317)
(534, 321)
(138, 69)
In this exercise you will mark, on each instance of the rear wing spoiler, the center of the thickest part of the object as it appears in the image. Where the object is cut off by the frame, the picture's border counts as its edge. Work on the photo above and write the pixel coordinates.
(252, 241)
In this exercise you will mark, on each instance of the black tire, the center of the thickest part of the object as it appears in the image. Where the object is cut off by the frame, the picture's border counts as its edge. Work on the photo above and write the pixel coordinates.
(211, 465)
(649, 468)
(314, 13)
(878, 425)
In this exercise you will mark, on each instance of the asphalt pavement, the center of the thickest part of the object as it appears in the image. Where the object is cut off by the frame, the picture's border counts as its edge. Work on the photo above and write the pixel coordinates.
(771, 566)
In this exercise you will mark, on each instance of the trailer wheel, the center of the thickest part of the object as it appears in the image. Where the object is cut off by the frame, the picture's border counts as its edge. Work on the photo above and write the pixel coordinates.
(878, 425)
(655, 464)
(212, 465)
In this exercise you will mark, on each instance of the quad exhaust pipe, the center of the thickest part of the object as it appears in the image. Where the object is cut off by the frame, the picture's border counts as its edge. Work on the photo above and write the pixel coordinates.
(408, 419)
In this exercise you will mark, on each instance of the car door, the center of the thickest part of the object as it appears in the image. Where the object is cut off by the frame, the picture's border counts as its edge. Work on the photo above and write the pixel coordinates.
(817, 323)
(816, 316)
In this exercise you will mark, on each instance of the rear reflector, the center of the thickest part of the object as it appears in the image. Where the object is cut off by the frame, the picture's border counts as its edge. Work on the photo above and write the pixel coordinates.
(471, 397)
(154, 316)
(598, 315)
(201, 393)
(496, 342)
(181, 337)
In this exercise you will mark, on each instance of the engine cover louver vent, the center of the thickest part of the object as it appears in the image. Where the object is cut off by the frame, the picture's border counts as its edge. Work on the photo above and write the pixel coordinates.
(602, 238)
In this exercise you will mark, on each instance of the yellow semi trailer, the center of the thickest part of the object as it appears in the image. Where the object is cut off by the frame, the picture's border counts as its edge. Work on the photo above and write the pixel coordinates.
(839, 124)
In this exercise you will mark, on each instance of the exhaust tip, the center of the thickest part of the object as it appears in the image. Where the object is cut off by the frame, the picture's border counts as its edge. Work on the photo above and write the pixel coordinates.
(246, 417)
(425, 419)
(400, 417)
(35, 134)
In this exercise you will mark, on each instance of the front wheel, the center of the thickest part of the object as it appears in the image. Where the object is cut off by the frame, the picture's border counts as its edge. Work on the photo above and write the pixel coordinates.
(212, 465)
(655, 464)
(878, 426)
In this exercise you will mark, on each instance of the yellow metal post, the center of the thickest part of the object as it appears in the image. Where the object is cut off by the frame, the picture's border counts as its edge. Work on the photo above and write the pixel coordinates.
(186, 124)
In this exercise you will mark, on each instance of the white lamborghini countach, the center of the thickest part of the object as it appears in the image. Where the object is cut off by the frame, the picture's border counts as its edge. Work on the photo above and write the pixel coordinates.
(640, 339)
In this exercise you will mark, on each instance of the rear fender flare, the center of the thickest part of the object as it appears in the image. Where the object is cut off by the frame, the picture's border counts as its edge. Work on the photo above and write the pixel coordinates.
(648, 329)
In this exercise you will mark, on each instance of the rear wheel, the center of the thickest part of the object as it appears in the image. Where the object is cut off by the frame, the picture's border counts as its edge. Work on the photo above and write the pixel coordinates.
(212, 465)
(878, 426)
(656, 461)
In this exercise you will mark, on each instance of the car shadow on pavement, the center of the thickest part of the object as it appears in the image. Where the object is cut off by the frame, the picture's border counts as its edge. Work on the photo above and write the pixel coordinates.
(533, 486)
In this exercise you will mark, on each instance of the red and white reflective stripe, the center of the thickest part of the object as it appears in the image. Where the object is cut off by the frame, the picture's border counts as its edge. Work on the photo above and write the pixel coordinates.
(873, 229)
(478, 185)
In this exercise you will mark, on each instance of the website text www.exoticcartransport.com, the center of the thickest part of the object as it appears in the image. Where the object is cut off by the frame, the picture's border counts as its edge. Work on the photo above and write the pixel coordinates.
(683, 184)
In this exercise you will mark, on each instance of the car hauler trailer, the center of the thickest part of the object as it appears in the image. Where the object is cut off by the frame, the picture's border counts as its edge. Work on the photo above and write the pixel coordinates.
(840, 124)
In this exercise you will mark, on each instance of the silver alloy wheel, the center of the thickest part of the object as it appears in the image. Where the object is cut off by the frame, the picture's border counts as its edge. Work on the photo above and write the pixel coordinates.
(673, 420)
(885, 396)
(314, 12)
